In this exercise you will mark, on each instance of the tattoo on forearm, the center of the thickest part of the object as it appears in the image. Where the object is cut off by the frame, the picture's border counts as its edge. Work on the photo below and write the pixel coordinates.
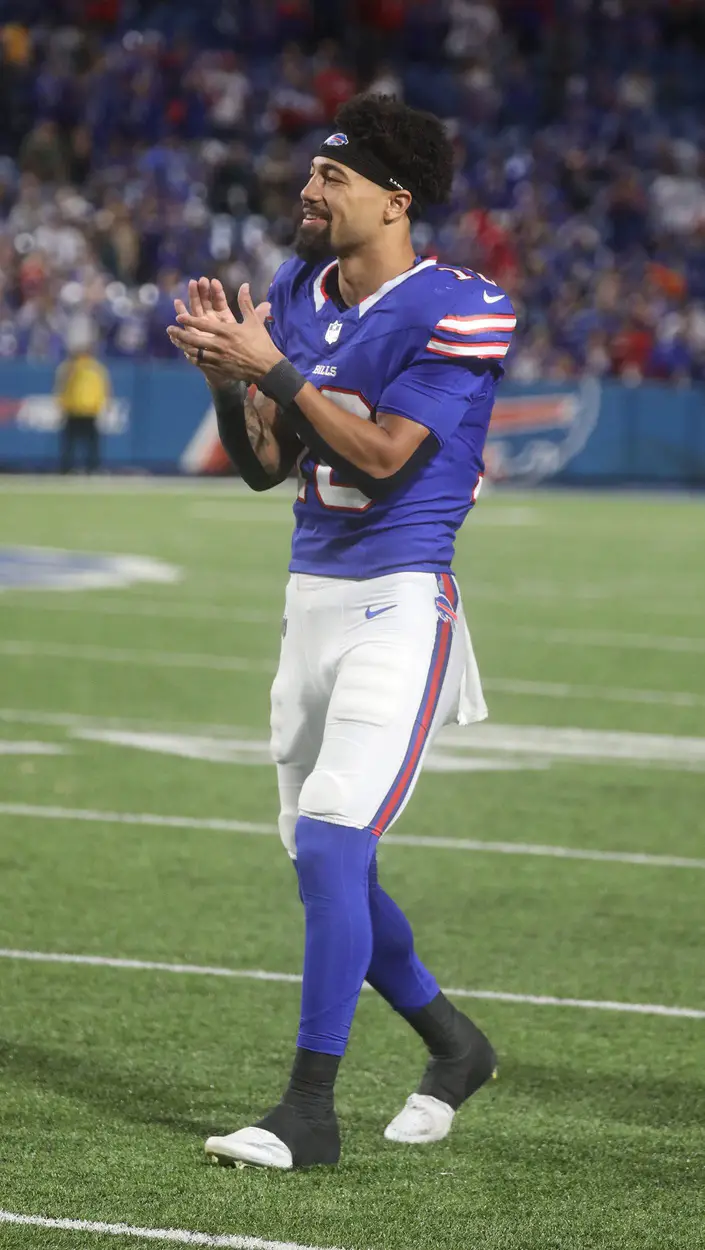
(255, 435)
(262, 437)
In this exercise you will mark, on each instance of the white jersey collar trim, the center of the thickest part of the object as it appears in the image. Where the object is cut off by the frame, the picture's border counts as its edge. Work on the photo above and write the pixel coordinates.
(320, 297)
(365, 304)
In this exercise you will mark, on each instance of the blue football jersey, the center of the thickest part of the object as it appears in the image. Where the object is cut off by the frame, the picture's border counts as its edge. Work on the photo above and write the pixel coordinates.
(428, 345)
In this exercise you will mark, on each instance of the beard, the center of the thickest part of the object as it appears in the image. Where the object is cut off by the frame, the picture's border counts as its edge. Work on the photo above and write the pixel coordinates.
(313, 245)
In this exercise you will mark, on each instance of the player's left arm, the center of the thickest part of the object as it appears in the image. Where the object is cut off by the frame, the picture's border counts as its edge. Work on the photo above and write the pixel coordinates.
(379, 448)
(418, 412)
(449, 373)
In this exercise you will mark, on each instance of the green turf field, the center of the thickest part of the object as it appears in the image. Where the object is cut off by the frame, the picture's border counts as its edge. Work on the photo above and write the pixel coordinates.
(587, 615)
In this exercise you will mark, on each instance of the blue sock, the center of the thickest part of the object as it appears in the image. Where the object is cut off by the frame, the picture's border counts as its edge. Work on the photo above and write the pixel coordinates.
(395, 970)
(332, 862)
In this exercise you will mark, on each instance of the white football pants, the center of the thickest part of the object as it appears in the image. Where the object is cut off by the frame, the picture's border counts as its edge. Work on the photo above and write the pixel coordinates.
(368, 672)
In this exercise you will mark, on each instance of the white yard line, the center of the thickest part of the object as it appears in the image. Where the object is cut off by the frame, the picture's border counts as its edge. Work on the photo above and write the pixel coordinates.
(602, 694)
(165, 609)
(467, 749)
(605, 638)
(21, 747)
(150, 819)
(182, 1236)
(471, 748)
(146, 608)
(42, 600)
(677, 600)
(291, 978)
(136, 818)
(150, 965)
(21, 649)
(598, 745)
(640, 858)
(496, 685)
(77, 720)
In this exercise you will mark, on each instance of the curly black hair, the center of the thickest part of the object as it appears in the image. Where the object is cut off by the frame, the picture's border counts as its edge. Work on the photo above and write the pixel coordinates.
(413, 145)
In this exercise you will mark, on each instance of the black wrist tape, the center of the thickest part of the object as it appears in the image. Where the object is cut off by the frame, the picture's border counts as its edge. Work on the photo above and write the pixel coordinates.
(282, 383)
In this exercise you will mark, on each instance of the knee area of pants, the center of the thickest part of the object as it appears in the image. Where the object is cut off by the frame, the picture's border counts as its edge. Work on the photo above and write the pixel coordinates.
(323, 797)
(316, 853)
(281, 719)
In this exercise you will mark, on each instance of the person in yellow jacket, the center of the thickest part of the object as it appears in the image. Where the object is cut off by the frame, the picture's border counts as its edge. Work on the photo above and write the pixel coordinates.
(82, 389)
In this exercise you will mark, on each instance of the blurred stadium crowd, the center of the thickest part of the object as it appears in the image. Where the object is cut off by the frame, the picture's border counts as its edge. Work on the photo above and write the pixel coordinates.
(146, 142)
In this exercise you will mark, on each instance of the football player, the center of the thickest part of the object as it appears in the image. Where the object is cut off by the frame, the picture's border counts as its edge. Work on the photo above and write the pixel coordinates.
(374, 371)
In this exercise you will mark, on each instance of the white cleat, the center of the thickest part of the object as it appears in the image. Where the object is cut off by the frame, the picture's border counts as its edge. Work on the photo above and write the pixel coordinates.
(250, 1145)
(422, 1120)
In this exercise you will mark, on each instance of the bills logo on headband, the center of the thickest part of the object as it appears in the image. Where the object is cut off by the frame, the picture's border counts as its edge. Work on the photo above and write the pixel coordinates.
(336, 141)
(445, 610)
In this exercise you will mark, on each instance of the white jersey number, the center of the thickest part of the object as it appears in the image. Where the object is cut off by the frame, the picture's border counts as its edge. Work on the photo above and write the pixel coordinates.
(331, 492)
(466, 276)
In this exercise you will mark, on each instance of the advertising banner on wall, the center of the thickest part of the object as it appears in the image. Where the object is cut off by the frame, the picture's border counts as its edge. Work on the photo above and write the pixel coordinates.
(161, 420)
(153, 415)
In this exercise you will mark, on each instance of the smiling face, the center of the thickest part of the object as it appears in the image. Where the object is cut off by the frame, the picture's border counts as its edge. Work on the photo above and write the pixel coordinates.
(342, 211)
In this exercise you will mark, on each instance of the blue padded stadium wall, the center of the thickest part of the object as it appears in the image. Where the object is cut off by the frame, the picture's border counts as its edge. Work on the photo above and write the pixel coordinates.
(577, 433)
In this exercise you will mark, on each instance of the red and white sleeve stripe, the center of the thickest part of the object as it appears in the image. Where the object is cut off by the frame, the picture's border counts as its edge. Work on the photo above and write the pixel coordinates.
(487, 335)
(480, 350)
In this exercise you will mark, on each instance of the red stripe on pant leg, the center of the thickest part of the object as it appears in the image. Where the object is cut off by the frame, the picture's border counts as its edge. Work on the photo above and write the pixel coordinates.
(446, 636)
(421, 731)
(450, 589)
(419, 740)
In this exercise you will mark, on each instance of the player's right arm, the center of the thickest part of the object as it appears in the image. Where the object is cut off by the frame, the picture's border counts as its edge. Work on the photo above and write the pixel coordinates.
(259, 443)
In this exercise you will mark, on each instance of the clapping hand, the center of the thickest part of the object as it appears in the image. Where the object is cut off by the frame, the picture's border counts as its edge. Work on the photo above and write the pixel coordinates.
(210, 337)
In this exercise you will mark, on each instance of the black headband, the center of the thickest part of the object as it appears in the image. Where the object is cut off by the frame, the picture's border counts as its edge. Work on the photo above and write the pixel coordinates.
(346, 151)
